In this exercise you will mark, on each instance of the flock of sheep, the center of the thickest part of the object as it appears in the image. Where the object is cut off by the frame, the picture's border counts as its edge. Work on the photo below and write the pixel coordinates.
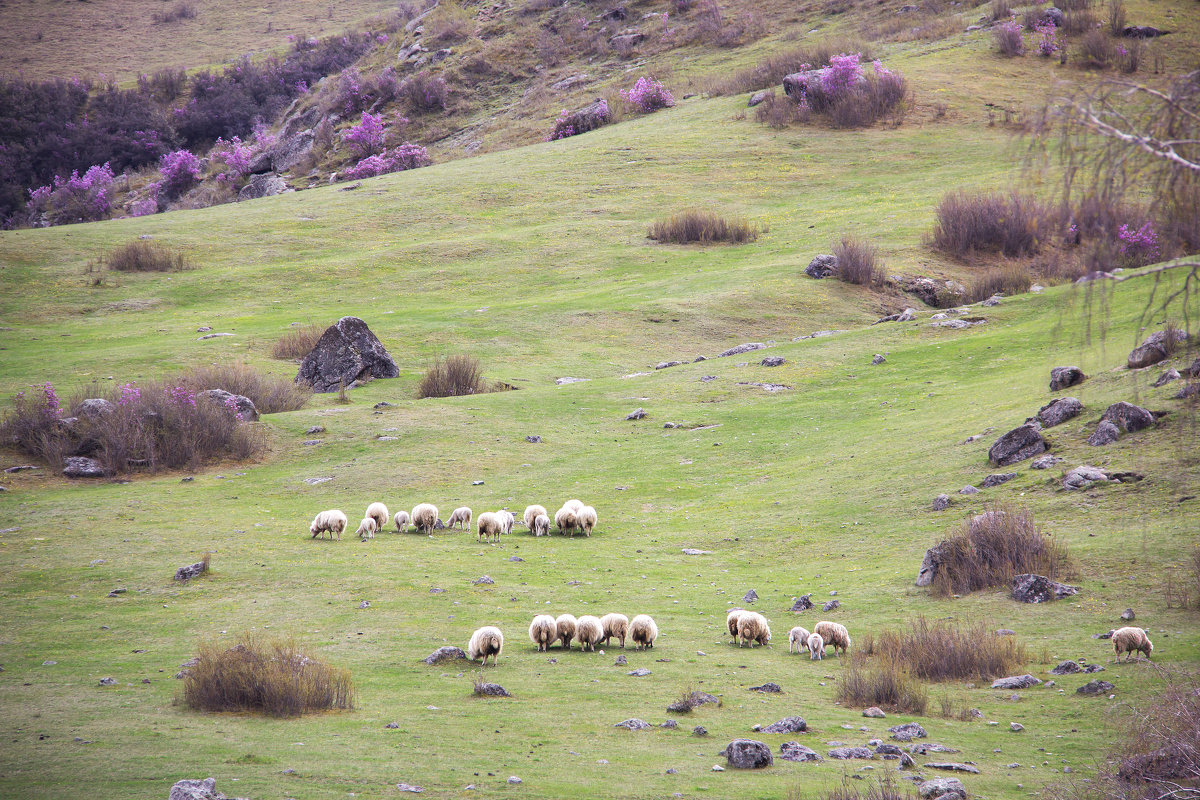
(588, 630)
(573, 516)
(750, 627)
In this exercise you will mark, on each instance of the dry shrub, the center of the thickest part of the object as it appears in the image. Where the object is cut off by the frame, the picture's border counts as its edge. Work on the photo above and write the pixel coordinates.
(883, 682)
(780, 111)
(770, 71)
(177, 12)
(1116, 17)
(885, 788)
(141, 255)
(1074, 5)
(990, 549)
(1000, 9)
(264, 675)
(1009, 40)
(452, 377)
(448, 24)
(270, 395)
(949, 709)
(1095, 50)
(297, 342)
(880, 96)
(1012, 224)
(858, 262)
(1007, 279)
(424, 92)
(703, 227)
(944, 650)
(1079, 21)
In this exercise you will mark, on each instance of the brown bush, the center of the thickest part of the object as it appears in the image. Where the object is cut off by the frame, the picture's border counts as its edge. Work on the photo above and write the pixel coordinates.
(297, 342)
(1079, 21)
(1000, 9)
(885, 788)
(177, 12)
(944, 650)
(1007, 279)
(771, 70)
(1009, 39)
(270, 395)
(780, 111)
(881, 96)
(1012, 224)
(858, 262)
(424, 92)
(452, 377)
(883, 682)
(702, 227)
(1116, 17)
(265, 675)
(145, 256)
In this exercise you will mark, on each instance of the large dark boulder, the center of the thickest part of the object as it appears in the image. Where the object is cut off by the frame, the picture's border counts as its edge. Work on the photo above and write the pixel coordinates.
(747, 754)
(1062, 377)
(1128, 417)
(1105, 433)
(1156, 347)
(1029, 588)
(347, 352)
(907, 731)
(1056, 412)
(1017, 445)
(1095, 687)
(932, 562)
(822, 266)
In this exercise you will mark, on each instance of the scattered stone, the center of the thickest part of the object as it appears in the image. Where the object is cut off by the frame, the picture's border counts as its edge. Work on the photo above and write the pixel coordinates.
(700, 730)
(191, 571)
(1064, 377)
(1017, 445)
(315, 481)
(907, 732)
(491, 690)
(515, 558)
(878, 359)
(951, 766)
(1188, 391)
(196, 790)
(1106, 433)
(633, 724)
(1084, 476)
(365, 604)
(445, 654)
(787, 725)
(569, 82)
(1106, 635)
(842, 753)
(767, 688)
(669, 364)
(1016, 727)
(1005, 632)
(768, 387)
(117, 592)
(794, 751)
(747, 754)
(773, 361)
(994, 300)
(347, 352)
(1095, 687)
(941, 502)
(822, 266)
(640, 672)
(691, 551)
(750, 596)
(831, 605)
(81, 467)
(1127, 615)
(1015, 682)
(742, 348)
(874, 712)
(638, 414)
(108, 681)
(888, 751)
(212, 336)
(315, 429)
(1168, 376)
(513, 779)
(1066, 668)
(1128, 417)
(969, 490)
(565, 381)
(621, 661)
(392, 726)
(484, 581)
(534, 439)
(718, 768)
(904, 316)
(1028, 588)
(267, 184)
(997, 479)
(1155, 348)
(311, 442)
(1045, 462)
(408, 787)
(942, 789)
(1141, 32)
(1094, 667)
(1058, 411)
(803, 603)
(670, 725)
(20, 468)
(759, 97)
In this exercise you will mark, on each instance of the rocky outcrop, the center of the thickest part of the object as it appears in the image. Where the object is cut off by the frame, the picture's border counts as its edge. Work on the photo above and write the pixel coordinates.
(1063, 377)
(1056, 412)
(822, 266)
(237, 404)
(1017, 445)
(1029, 588)
(347, 352)
(1155, 348)
(267, 184)
(747, 754)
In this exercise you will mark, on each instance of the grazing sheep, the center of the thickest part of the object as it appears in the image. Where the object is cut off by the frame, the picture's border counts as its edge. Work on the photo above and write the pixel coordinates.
(424, 517)
(643, 631)
(574, 505)
(507, 520)
(366, 528)
(816, 647)
(379, 513)
(731, 620)
(588, 631)
(798, 639)
(462, 517)
(488, 526)
(1130, 641)
(543, 631)
(331, 522)
(587, 519)
(531, 514)
(401, 519)
(614, 625)
(487, 641)
(753, 628)
(835, 634)
(541, 525)
(566, 520)
(566, 627)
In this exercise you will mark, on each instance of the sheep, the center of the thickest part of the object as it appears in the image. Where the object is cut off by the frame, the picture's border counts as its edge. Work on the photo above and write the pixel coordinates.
(566, 520)
(588, 631)
(331, 522)
(424, 516)
(488, 526)
(366, 528)
(753, 628)
(731, 620)
(566, 627)
(541, 525)
(487, 641)
(543, 631)
(798, 639)
(816, 647)
(507, 520)
(834, 633)
(574, 505)
(614, 625)
(1131, 641)
(379, 513)
(531, 514)
(401, 519)
(587, 519)
(462, 517)
(643, 631)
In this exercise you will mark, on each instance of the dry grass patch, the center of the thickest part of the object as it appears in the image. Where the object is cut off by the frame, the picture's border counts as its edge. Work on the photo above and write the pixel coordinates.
(145, 256)
(944, 650)
(703, 227)
(1011, 224)
(858, 262)
(297, 342)
(1007, 279)
(269, 394)
(452, 377)
(884, 682)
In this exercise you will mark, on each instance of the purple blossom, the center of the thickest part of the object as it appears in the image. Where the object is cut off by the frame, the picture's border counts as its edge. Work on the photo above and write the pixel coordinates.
(1139, 246)
(236, 156)
(130, 395)
(1047, 33)
(181, 396)
(648, 95)
(51, 407)
(180, 171)
(74, 198)
(406, 156)
(843, 74)
(366, 138)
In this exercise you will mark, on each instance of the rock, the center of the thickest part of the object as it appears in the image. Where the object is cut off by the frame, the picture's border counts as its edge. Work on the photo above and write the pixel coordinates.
(959, 324)
(907, 732)
(515, 558)
(212, 336)
(1168, 376)
(1045, 462)
(1141, 32)
(888, 751)
(941, 502)
(822, 266)
(878, 359)
(621, 661)
(944, 788)
(904, 316)
(513, 779)
(445, 654)
(1095, 687)
(633, 724)
(1083, 476)
(315, 429)
(874, 712)
(692, 551)
(94, 408)
(803, 603)
(968, 490)
(108, 681)
(930, 564)
(1056, 412)
(1016, 727)
(191, 571)
(1062, 377)
(20, 468)
(1066, 668)
(1188, 391)
(640, 672)
(1015, 682)
(82, 467)
(842, 753)
(668, 364)
(773, 361)
(347, 352)
(742, 348)
(1128, 417)
(237, 404)
(365, 604)
(627, 40)
(1029, 588)
(769, 387)
(992, 301)
(1155, 348)
(565, 381)
(638, 414)
(290, 150)
(831, 605)
(1105, 433)
(1105, 635)
(267, 184)
(747, 754)
(951, 766)
(491, 690)
(1127, 615)
(932, 292)
(787, 725)
(700, 730)
(669, 725)
(767, 688)
(796, 85)
(1005, 632)
(750, 596)
(794, 751)
(997, 479)
(1017, 445)
(408, 787)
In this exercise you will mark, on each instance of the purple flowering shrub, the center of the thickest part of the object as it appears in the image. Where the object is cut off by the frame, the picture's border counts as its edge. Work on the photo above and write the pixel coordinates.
(1047, 43)
(1138, 247)
(576, 122)
(366, 138)
(648, 96)
(406, 156)
(236, 156)
(1009, 37)
(846, 94)
(180, 171)
(73, 199)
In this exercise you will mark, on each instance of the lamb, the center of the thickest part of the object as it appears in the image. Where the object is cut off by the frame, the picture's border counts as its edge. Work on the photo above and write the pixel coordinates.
(566, 520)
(488, 526)
(753, 628)
(541, 525)
(798, 639)
(401, 519)
(614, 625)
(531, 514)
(424, 517)
(731, 620)
(587, 519)
(588, 631)
(816, 647)
(507, 520)
(462, 517)
(643, 631)
(566, 628)
(1131, 641)
(366, 528)
(331, 522)
(487, 641)
(379, 513)
(543, 631)
(835, 634)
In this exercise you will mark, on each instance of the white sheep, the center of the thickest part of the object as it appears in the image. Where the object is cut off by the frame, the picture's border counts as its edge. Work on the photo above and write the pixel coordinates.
(753, 628)
(587, 519)
(462, 517)
(643, 631)
(507, 520)
(588, 631)
(366, 528)
(424, 517)
(816, 647)
(731, 620)
(574, 505)
(543, 631)
(1130, 641)
(379, 513)
(541, 525)
(331, 522)
(401, 520)
(566, 520)
(488, 526)
(834, 634)
(614, 625)
(797, 639)
(566, 624)
(487, 641)
(531, 514)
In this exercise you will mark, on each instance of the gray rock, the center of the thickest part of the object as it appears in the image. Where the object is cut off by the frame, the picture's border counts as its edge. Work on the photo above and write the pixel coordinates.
(347, 352)
(633, 724)
(445, 654)
(565, 381)
(1188, 391)
(669, 725)
(1016, 727)
(515, 558)
(1168, 376)
(906, 315)
(196, 790)
(212, 336)
(968, 490)
(842, 753)
(907, 731)
(750, 596)
(874, 712)
(408, 787)
(1058, 411)
(1128, 417)
(235, 403)
(700, 730)
(1063, 377)
(1141, 32)
(533, 439)
(668, 364)
(930, 564)
(997, 479)
(82, 467)
(513, 779)
(289, 151)
(803, 603)
(941, 502)
(1106, 433)
(1045, 462)
(1155, 348)
(482, 581)
(1066, 668)
(878, 359)
(191, 571)
(1017, 445)
(822, 266)
(1029, 588)
(994, 300)
(1105, 635)
(108, 681)
(1015, 682)
(742, 348)
(640, 672)
(569, 82)
(952, 766)
(759, 97)
(794, 751)
(1128, 615)
(1084, 476)
(94, 407)
(787, 725)
(747, 754)
(773, 361)
(888, 751)
(1090, 668)
(1095, 687)
(491, 690)
(638, 414)
(315, 429)
(942, 789)
(1005, 632)
(831, 605)
(623, 42)
(267, 184)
